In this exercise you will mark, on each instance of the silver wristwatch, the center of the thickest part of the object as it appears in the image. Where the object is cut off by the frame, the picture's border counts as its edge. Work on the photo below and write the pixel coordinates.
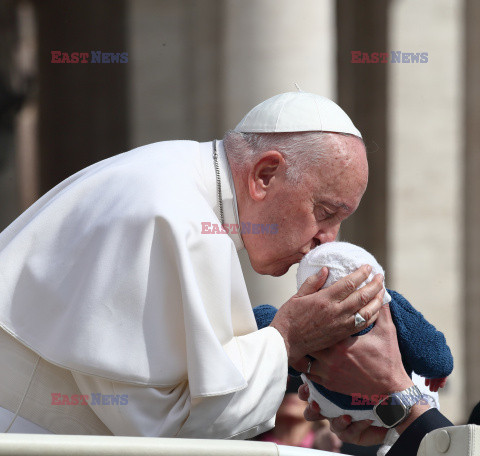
(394, 408)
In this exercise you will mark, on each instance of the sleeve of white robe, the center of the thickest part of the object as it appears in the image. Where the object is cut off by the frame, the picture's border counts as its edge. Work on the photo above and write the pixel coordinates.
(171, 412)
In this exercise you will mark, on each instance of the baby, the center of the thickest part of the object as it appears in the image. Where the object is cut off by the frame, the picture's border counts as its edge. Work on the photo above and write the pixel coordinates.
(423, 348)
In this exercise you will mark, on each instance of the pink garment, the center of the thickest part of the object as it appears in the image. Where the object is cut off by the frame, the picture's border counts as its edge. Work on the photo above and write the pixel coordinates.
(307, 442)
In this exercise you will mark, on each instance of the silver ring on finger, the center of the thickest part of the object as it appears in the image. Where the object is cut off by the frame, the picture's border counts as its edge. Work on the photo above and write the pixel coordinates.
(359, 320)
(309, 366)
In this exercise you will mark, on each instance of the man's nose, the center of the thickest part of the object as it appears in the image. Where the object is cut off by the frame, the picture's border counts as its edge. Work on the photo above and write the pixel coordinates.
(328, 234)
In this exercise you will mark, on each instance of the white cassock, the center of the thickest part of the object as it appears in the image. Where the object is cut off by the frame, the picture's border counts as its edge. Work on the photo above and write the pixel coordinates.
(109, 280)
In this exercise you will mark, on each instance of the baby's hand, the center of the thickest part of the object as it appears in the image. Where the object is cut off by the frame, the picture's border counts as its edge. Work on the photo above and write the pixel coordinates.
(435, 383)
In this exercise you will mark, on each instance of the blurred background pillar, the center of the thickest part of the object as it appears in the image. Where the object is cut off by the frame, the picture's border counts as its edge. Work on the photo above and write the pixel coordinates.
(268, 46)
(8, 101)
(17, 105)
(174, 80)
(362, 93)
(424, 174)
(82, 107)
(471, 199)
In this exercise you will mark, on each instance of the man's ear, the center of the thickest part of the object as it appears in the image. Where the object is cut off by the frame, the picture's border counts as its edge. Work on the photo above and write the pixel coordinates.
(264, 173)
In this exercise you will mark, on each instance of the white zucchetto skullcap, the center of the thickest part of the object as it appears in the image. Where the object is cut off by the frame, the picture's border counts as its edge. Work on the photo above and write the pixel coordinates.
(297, 111)
(341, 259)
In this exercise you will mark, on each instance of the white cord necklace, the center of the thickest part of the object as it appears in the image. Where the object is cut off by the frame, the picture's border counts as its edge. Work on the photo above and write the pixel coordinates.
(219, 183)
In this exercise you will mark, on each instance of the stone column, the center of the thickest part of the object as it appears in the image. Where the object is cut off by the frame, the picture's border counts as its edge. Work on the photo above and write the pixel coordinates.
(17, 73)
(471, 200)
(174, 86)
(268, 46)
(362, 92)
(82, 107)
(424, 174)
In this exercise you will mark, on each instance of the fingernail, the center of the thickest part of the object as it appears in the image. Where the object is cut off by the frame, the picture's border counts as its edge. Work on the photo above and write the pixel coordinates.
(369, 268)
(321, 272)
(306, 388)
(315, 406)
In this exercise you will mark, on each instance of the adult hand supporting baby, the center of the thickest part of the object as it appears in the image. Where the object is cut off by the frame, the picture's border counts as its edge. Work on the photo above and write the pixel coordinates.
(315, 319)
(359, 432)
(370, 364)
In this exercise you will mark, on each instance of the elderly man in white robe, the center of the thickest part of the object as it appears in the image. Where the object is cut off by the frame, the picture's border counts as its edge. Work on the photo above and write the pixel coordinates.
(121, 315)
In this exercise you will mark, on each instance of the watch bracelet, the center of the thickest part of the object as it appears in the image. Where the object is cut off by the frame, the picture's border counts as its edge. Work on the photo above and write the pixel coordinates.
(409, 397)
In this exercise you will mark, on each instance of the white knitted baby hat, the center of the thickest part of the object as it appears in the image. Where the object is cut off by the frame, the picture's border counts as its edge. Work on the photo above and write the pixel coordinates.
(341, 259)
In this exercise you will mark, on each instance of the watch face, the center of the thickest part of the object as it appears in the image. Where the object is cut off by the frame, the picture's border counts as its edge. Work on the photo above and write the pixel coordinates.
(390, 411)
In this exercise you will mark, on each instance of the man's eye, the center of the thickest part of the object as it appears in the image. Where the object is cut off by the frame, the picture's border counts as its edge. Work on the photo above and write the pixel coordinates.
(322, 214)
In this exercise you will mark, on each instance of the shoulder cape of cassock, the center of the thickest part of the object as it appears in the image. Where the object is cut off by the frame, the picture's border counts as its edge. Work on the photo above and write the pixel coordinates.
(109, 273)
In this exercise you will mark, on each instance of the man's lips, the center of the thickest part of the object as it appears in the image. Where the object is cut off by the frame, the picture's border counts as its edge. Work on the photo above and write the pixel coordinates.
(290, 261)
(309, 247)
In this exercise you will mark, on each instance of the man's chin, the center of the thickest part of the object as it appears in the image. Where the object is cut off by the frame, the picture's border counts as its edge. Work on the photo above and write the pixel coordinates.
(274, 271)
(281, 272)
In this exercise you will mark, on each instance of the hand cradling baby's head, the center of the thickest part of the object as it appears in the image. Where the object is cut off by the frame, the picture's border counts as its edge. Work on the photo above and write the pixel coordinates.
(341, 259)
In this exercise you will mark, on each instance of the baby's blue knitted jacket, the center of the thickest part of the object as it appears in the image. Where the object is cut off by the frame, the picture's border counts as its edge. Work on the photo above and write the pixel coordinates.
(423, 348)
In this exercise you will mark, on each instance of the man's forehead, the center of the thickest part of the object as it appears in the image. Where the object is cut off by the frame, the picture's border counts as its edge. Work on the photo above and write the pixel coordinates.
(344, 148)
(346, 158)
(339, 179)
(341, 190)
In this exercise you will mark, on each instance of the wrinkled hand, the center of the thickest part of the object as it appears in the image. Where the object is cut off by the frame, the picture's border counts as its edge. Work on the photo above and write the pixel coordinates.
(312, 410)
(316, 318)
(358, 432)
(369, 365)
